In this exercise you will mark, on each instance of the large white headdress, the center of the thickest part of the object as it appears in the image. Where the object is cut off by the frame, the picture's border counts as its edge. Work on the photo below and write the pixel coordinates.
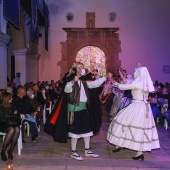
(143, 80)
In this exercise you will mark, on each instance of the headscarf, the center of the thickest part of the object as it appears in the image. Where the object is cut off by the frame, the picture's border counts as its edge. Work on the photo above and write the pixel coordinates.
(143, 80)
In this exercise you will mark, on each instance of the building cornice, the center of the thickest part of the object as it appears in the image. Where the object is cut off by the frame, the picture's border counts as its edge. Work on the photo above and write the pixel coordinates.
(22, 51)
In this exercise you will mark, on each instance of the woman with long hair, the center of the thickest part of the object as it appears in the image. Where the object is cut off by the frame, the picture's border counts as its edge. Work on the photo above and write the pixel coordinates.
(9, 124)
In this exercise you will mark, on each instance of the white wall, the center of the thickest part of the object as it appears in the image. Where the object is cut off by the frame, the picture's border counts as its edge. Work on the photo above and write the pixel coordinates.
(144, 32)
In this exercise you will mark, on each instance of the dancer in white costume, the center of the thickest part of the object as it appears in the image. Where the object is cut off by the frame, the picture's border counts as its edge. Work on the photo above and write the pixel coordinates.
(134, 127)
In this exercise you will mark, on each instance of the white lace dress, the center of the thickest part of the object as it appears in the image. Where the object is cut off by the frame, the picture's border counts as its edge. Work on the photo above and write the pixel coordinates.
(134, 127)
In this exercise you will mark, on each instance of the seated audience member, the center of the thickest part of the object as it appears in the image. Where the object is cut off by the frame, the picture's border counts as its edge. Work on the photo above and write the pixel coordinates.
(43, 91)
(46, 99)
(39, 83)
(37, 107)
(9, 124)
(42, 84)
(52, 94)
(168, 87)
(167, 114)
(162, 98)
(9, 89)
(28, 86)
(156, 83)
(52, 81)
(23, 106)
(2, 91)
(31, 84)
(46, 85)
(38, 95)
(152, 99)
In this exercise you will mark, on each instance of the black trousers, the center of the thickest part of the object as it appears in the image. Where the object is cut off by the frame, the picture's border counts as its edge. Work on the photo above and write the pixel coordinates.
(33, 129)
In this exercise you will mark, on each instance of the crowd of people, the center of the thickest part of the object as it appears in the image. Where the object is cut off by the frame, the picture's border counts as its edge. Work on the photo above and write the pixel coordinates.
(20, 104)
(76, 101)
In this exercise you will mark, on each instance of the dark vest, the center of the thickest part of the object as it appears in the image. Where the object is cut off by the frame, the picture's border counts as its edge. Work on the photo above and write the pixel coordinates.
(74, 96)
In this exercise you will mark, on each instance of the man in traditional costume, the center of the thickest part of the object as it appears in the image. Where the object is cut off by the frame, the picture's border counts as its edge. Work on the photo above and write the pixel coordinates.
(80, 125)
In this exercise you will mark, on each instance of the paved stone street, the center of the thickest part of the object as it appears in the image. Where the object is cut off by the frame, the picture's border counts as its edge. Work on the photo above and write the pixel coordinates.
(50, 155)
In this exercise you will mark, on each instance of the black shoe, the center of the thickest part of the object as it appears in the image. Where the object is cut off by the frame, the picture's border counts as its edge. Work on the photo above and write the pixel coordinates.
(3, 156)
(139, 157)
(117, 149)
(10, 156)
(34, 140)
(23, 141)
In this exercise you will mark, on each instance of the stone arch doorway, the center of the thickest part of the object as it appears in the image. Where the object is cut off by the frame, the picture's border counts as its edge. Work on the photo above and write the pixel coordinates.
(92, 57)
(104, 38)
(107, 39)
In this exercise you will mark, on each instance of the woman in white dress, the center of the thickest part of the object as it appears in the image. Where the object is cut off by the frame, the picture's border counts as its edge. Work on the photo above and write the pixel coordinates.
(134, 127)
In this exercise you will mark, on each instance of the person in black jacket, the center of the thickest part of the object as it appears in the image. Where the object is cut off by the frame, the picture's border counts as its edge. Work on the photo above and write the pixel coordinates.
(52, 94)
(38, 95)
(24, 107)
(56, 124)
(9, 124)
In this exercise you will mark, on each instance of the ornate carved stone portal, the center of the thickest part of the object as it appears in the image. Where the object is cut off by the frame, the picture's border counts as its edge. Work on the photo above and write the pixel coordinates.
(107, 39)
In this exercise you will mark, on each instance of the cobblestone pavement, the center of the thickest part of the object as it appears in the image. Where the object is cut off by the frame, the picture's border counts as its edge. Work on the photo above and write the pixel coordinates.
(49, 155)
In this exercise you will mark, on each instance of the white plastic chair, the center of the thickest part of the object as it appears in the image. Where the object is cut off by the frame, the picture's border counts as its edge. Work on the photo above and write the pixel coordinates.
(20, 146)
(26, 124)
(45, 110)
(3, 134)
(165, 106)
(165, 124)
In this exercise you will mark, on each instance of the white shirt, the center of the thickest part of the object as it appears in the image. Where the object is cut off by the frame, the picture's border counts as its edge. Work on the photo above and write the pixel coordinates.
(92, 84)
